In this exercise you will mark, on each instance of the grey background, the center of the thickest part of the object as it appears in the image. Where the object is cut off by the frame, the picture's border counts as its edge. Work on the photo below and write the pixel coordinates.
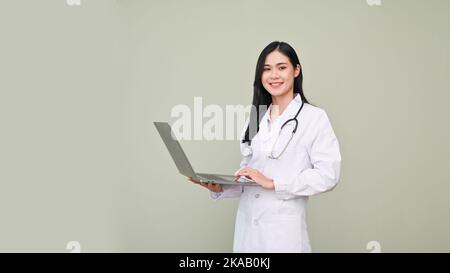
(81, 85)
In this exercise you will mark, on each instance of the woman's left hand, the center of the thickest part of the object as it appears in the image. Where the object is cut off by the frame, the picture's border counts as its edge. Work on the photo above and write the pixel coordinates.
(256, 176)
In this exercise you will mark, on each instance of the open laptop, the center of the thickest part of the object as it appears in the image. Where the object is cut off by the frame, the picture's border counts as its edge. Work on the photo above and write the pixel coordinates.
(185, 168)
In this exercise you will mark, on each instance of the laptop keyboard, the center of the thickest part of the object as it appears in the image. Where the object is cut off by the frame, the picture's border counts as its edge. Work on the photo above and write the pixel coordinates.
(226, 178)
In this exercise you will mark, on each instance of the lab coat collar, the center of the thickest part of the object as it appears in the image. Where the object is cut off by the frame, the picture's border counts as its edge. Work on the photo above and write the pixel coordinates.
(290, 110)
(288, 113)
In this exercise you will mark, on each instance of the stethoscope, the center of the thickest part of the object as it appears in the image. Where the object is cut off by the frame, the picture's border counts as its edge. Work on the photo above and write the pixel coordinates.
(247, 151)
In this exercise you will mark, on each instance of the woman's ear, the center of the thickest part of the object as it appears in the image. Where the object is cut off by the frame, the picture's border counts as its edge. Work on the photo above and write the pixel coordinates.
(297, 71)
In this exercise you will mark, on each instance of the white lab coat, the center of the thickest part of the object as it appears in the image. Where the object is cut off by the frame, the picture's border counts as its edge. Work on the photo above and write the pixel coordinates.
(275, 220)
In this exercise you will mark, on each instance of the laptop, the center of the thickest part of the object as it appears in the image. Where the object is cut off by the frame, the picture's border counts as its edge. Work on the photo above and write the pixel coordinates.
(184, 166)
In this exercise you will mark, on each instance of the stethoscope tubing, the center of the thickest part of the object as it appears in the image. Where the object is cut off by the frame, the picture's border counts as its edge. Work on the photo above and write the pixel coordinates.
(248, 150)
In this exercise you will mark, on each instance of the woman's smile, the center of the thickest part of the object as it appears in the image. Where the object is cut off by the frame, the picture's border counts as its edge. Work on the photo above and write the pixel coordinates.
(275, 84)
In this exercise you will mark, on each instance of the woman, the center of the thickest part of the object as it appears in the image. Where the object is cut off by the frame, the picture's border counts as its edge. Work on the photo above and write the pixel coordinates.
(289, 161)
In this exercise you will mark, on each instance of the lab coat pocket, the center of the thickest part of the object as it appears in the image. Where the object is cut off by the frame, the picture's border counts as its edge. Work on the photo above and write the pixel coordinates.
(284, 233)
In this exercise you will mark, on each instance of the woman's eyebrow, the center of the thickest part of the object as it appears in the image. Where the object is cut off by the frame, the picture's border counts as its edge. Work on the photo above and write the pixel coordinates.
(276, 64)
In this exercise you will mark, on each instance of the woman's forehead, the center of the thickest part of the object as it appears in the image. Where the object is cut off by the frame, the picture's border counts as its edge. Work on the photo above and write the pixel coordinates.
(275, 58)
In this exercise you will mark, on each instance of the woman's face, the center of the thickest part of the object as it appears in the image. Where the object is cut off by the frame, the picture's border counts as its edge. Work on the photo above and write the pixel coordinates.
(278, 74)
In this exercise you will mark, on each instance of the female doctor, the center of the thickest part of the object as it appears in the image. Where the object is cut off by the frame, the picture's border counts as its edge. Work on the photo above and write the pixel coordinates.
(291, 152)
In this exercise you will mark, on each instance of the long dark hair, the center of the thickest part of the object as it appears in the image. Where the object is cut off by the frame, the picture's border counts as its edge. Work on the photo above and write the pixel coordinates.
(261, 97)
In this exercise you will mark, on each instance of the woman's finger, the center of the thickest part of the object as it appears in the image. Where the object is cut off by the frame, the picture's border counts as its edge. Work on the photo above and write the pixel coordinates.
(216, 187)
(193, 181)
(210, 186)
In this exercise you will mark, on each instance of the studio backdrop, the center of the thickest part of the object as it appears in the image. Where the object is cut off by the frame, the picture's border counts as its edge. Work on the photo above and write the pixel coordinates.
(82, 167)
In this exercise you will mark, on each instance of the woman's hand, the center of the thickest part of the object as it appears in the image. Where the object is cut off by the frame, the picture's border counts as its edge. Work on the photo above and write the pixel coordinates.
(256, 176)
(210, 186)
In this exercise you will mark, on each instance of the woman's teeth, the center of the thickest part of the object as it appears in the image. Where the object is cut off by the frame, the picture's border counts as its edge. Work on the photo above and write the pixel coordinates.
(276, 84)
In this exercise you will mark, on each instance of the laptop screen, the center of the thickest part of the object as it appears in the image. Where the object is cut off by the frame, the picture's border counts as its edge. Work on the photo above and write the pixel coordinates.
(175, 150)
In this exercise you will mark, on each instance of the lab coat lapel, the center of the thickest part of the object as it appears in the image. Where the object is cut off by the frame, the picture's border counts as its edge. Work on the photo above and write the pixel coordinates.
(288, 113)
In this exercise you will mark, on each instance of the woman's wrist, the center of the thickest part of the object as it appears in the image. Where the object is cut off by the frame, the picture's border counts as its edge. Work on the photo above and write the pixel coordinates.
(269, 184)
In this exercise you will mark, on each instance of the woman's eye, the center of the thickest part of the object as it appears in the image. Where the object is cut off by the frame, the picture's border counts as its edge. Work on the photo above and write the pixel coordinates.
(283, 68)
(266, 69)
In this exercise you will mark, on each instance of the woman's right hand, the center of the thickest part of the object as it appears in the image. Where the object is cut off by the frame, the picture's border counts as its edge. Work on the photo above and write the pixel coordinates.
(210, 186)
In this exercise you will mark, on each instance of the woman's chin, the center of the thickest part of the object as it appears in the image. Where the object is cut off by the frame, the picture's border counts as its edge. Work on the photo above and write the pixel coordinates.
(277, 93)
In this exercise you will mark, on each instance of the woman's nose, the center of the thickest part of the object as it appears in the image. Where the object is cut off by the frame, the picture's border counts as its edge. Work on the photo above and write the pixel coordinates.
(274, 74)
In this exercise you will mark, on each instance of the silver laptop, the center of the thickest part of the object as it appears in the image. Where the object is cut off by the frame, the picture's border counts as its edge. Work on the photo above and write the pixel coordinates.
(185, 168)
